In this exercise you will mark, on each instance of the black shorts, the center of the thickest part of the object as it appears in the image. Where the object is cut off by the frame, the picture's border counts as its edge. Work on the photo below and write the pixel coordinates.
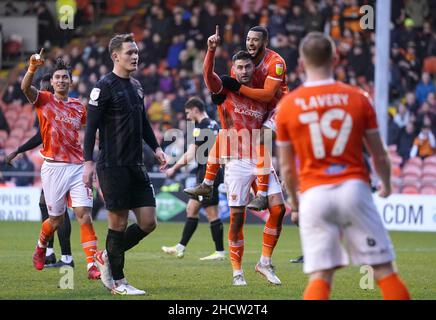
(126, 187)
(214, 200)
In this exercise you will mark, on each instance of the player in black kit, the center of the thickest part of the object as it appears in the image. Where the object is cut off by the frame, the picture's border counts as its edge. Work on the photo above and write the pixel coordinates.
(116, 109)
(204, 135)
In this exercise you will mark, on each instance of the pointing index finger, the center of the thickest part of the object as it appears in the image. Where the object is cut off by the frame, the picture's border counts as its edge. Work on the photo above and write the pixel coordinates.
(41, 52)
(217, 30)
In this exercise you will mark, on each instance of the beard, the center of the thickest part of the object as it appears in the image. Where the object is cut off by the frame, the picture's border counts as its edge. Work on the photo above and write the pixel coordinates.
(258, 53)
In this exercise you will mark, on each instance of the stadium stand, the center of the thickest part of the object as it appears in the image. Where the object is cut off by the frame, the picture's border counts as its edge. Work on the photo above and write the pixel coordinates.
(172, 35)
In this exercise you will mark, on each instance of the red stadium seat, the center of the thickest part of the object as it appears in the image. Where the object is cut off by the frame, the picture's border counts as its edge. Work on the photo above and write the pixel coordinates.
(428, 180)
(410, 190)
(12, 143)
(11, 116)
(22, 123)
(416, 161)
(411, 170)
(431, 159)
(395, 159)
(396, 171)
(411, 180)
(429, 170)
(115, 7)
(3, 134)
(27, 108)
(429, 65)
(130, 4)
(428, 190)
(17, 133)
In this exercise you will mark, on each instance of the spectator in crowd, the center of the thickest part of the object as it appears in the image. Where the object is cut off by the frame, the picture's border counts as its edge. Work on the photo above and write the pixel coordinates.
(411, 103)
(403, 116)
(424, 116)
(4, 168)
(424, 144)
(405, 141)
(431, 100)
(47, 28)
(11, 9)
(424, 87)
(24, 167)
(417, 10)
(4, 123)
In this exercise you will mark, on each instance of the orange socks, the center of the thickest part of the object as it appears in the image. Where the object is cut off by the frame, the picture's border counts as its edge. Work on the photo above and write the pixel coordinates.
(393, 288)
(263, 166)
(236, 241)
(273, 227)
(211, 171)
(45, 234)
(213, 164)
(89, 241)
(317, 289)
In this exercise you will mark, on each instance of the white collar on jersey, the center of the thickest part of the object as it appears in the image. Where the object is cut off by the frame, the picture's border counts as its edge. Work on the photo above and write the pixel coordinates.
(57, 100)
(323, 82)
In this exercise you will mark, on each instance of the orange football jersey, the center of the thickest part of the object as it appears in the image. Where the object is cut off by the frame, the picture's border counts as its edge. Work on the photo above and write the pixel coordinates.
(60, 123)
(325, 121)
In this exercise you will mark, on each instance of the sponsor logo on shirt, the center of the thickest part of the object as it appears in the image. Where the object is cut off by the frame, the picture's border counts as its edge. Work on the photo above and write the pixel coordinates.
(247, 112)
(71, 121)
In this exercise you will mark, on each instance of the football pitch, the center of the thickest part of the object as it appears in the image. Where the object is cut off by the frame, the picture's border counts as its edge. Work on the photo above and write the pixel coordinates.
(166, 277)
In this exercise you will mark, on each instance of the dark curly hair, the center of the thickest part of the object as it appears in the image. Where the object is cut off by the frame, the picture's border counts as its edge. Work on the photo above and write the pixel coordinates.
(60, 64)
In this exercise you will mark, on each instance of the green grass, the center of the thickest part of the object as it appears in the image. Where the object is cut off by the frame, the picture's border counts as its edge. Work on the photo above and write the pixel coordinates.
(165, 277)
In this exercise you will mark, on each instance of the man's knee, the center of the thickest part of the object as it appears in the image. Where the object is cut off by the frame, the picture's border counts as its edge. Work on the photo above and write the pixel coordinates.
(83, 215)
(148, 226)
(212, 213)
(56, 221)
(326, 275)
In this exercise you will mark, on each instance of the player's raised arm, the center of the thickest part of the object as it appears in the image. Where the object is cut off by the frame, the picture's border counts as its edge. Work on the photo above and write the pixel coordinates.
(266, 94)
(271, 85)
(30, 91)
(213, 82)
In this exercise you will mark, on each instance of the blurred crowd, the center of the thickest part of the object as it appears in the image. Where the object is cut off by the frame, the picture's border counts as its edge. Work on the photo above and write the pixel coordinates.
(171, 36)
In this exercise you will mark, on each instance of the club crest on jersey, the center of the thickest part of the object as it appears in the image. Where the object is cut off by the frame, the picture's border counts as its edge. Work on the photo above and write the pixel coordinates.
(95, 93)
(196, 132)
(279, 69)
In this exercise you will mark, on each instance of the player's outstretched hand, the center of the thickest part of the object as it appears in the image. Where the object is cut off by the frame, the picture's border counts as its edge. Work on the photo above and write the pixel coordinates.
(214, 40)
(230, 83)
(161, 157)
(11, 156)
(36, 60)
(88, 174)
(384, 191)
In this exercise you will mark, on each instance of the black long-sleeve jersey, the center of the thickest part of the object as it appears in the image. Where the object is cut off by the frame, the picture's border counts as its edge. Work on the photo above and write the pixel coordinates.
(116, 109)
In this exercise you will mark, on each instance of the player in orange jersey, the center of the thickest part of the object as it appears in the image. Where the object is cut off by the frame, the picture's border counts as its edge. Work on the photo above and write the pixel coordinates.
(325, 123)
(60, 119)
(242, 119)
(268, 85)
